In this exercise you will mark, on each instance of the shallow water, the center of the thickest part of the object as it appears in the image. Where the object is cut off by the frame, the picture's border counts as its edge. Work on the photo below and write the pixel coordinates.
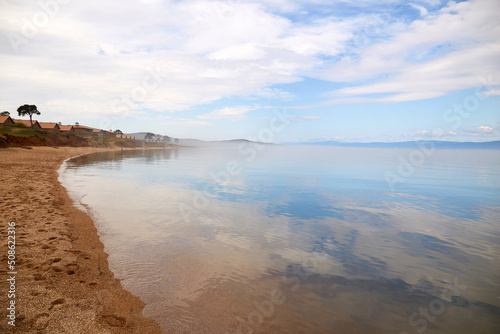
(301, 239)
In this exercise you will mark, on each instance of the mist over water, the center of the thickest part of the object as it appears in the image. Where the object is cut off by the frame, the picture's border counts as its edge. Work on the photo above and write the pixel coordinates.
(300, 239)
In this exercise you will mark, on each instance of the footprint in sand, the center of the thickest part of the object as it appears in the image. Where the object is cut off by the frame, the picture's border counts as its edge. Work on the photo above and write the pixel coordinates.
(54, 240)
(74, 251)
(84, 255)
(56, 302)
(72, 268)
(20, 318)
(64, 234)
(114, 320)
(38, 277)
(57, 269)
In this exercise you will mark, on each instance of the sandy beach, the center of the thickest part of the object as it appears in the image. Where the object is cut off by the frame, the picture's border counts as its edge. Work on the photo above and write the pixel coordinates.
(62, 280)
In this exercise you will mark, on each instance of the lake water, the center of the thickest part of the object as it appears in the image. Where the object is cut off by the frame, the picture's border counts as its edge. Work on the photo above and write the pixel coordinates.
(301, 239)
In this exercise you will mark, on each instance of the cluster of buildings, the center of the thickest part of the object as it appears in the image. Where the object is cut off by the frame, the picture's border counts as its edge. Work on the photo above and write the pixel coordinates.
(77, 129)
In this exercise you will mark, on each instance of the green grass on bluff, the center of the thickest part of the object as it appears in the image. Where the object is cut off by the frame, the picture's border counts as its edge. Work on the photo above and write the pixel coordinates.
(18, 131)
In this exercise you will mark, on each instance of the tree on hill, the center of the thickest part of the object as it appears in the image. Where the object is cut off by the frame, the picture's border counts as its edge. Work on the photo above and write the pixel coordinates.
(119, 132)
(149, 136)
(4, 113)
(28, 109)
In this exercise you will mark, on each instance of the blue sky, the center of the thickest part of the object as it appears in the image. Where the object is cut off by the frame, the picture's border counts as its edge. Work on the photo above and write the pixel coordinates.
(343, 70)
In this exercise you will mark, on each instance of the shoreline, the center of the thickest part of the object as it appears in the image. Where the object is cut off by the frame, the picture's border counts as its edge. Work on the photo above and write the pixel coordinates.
(63, 281)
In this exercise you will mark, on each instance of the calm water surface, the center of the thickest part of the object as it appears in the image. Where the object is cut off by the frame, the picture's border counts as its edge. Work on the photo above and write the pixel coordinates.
(300, 239)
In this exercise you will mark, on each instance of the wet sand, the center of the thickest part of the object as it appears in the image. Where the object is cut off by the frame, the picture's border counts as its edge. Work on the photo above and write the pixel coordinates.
(63, 283)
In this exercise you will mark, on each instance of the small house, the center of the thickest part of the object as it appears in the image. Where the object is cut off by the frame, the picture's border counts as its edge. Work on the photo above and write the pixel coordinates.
(6, 121)
(49, 126)
(66, 128)
(83, 130)
(98, 132)
(36, 125)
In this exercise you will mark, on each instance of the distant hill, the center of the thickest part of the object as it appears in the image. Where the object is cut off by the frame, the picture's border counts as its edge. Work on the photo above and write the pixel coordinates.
(495, 145)
(197, 142)
(203, 143)
(192, 142)
(411, 144)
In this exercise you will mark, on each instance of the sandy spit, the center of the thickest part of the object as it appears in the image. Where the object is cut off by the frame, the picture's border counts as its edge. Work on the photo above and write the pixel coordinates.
(62, 281)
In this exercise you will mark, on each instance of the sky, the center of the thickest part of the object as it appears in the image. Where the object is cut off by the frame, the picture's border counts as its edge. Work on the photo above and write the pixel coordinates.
(276, 70)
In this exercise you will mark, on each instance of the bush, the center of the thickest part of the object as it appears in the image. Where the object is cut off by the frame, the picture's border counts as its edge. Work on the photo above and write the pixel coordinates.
(25, 133)
(19, 125)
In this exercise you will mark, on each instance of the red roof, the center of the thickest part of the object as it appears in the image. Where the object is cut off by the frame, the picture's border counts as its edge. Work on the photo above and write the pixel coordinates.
(83, 127)
(3, 119)
(65, 127)
(48, 125)
(26, 122)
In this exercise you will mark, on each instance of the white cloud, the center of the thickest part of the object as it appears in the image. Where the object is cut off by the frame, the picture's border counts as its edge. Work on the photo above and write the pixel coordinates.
(424, 134)
(421, 9)
(323, 37)
(444, 52)
(454, 71)
(92, 57)
(188, 123)
(273, 93)
(491, 92)
(232, 113)
(441, 135)
(245, 51)
(481, 131)
(213, 26)
(305, 118)
(432, 2)
(485, 129)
